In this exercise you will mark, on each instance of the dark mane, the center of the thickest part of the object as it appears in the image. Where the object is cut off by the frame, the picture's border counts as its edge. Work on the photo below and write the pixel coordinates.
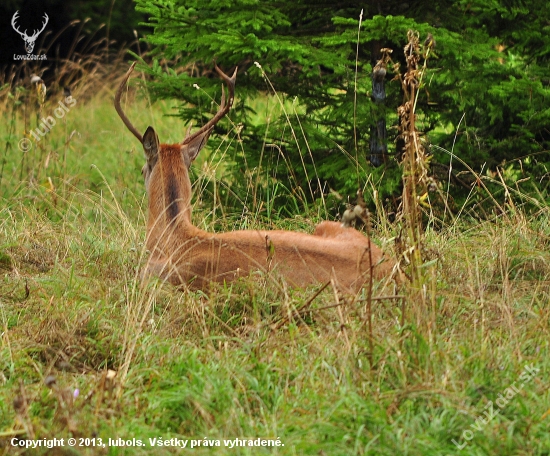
(172, 197)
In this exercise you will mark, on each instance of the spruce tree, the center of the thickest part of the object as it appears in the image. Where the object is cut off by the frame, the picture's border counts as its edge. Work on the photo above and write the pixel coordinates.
(485, 95)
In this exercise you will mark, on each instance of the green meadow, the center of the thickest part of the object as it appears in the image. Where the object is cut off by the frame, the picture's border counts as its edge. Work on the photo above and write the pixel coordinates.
(90, 351)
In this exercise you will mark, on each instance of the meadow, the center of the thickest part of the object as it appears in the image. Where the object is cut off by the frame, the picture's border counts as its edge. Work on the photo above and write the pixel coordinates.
(90, 351)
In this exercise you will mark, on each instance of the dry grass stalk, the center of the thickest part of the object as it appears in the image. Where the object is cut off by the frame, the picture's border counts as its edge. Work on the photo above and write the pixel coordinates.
(415, 166)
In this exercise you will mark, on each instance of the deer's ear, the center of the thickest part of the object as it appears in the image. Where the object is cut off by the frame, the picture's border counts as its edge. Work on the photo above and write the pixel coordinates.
(151, 145)
(192, 149)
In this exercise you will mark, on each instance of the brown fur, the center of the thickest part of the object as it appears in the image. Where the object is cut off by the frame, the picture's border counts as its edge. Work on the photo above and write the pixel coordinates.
(183, 254)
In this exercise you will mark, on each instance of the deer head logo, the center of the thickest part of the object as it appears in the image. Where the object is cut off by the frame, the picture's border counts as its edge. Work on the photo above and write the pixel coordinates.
(29, 40)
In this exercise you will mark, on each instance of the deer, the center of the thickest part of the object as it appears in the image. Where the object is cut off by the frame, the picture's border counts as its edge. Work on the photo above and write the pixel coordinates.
(185, 255)
(29, 40)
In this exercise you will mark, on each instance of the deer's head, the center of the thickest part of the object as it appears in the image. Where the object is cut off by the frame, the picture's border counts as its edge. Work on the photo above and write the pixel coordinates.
(29, 40)
(166, 170)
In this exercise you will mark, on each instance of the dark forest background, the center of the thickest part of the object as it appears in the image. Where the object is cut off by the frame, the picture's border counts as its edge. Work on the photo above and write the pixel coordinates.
(484, 105)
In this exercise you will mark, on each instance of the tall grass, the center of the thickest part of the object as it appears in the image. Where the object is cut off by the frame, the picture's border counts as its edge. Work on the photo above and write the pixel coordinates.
(89, 350)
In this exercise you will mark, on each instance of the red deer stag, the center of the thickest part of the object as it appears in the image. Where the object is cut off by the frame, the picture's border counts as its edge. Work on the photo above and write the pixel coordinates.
(186, 255)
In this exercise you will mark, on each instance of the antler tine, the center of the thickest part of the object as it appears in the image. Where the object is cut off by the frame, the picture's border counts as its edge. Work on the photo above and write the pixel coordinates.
(224, 108)
(13, 21)
(230, 81)
(43, 25)
(119, 109)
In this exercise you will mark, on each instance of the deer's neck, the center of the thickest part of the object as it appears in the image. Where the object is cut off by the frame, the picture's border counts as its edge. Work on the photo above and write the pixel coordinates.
(169, 215)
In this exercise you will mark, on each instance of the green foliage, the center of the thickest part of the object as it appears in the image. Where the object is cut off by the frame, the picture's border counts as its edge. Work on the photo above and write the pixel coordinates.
(486, 93)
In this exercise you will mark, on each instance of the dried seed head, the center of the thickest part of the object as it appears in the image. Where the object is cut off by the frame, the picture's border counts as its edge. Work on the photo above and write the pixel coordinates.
(49, 381)
(111, 374)
(19, 404)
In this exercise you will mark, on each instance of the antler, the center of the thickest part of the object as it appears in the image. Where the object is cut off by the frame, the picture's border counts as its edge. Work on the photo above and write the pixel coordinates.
(222, 111)
(24, 34)
(224, 108)
(13, 19)
(119, 109)
(36, 33)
